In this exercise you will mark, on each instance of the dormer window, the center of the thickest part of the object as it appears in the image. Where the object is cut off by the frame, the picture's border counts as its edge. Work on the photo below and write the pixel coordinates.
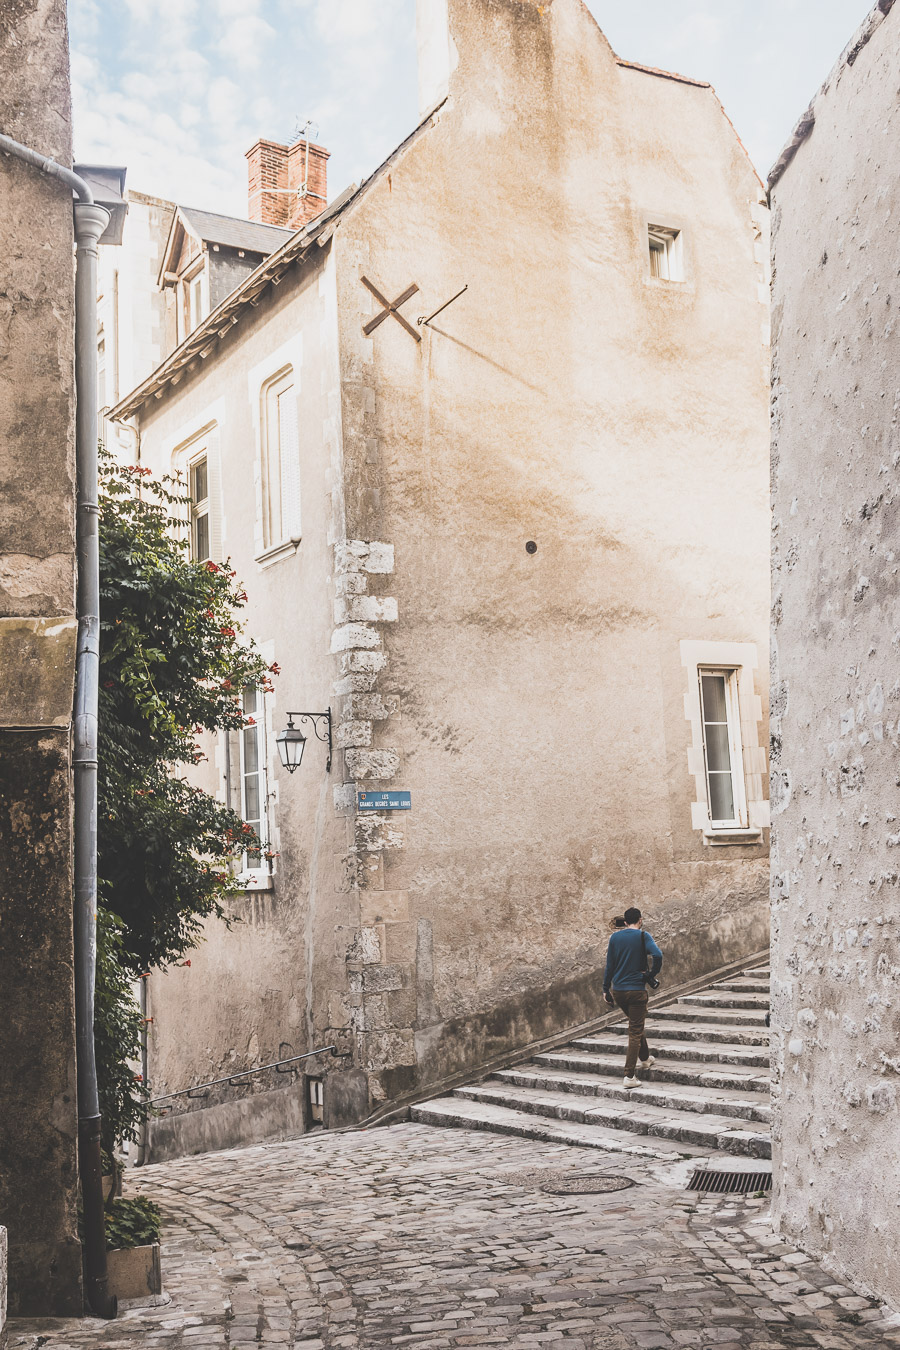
(192, 308)
(205, 257)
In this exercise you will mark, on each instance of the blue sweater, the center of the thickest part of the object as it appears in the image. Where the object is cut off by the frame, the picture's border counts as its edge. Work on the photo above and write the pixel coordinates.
(626, 959)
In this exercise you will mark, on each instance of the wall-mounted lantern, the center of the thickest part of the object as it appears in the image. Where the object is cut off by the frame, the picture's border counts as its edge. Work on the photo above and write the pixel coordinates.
(291, 740)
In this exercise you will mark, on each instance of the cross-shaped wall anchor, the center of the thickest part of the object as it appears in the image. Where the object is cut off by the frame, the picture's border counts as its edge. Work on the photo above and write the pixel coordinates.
(390, 307)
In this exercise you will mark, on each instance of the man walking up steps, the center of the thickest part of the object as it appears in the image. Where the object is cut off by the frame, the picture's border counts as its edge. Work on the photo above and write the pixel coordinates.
(624, 983)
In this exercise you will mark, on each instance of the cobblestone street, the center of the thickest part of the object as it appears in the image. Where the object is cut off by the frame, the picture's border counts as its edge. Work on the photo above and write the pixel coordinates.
(435, 1238)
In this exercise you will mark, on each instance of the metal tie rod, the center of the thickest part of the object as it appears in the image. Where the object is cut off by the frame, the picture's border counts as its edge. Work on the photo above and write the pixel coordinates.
(233, 1078)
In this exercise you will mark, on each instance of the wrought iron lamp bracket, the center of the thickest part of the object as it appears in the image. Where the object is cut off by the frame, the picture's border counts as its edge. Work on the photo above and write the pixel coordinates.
(322, 733)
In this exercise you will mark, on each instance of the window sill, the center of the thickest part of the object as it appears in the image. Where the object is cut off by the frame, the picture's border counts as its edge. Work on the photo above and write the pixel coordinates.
(739, 835)
(277, 552)
(256, 881)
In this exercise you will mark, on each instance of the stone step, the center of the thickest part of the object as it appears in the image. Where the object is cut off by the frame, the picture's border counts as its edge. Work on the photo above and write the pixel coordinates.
(742, 986)
(461, 1113)
(732, 1017)
(633, 1115)
(708, 1091)
(703, 1031)
(750, 1056)
(714, 1000)
(721, 1101)
(701, 1074)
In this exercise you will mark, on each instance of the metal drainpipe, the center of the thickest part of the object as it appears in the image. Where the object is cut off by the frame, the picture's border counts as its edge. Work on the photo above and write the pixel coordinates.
(144, 1136)
(90, 222)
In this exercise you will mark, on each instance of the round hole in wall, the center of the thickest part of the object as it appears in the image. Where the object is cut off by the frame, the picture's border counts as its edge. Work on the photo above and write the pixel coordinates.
(531, 546)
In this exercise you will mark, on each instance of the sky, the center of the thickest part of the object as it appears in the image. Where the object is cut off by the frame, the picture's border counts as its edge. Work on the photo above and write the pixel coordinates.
(178, 90)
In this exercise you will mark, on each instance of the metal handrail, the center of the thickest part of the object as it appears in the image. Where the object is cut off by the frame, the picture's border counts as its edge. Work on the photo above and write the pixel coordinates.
(246, 1073)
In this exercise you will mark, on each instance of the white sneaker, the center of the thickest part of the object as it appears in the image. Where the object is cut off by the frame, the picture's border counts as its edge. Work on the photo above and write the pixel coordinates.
(631, 1082)
(647, 1063)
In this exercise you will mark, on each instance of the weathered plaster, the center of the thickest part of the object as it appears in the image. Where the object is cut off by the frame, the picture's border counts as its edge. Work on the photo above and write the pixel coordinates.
(836, 693)
(533, 703)
(539, 698)
(37, 655)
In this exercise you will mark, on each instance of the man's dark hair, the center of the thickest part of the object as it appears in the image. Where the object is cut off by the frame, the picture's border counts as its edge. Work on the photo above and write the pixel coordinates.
(632, 915)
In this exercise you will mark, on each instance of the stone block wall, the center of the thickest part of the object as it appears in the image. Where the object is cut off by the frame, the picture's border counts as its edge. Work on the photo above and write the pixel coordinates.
(37, 659)
(835, 685)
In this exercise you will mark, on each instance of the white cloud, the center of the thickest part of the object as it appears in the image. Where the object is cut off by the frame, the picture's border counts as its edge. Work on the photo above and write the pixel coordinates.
(178, 90)
(244, 40)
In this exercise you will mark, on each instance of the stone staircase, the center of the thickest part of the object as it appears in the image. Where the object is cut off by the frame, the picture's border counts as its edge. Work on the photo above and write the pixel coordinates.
(709, 1087)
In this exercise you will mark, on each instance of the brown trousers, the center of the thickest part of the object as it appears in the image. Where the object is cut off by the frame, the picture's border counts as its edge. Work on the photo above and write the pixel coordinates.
(633, 1003)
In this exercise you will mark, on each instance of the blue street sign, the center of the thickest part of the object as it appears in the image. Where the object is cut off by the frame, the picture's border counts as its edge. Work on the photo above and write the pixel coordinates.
(384, 801)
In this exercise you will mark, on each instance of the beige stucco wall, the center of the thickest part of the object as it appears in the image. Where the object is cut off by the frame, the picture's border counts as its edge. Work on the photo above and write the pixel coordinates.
(260, 992)
(538, 706)
(836, 732)
(131, 310)
(620, 424)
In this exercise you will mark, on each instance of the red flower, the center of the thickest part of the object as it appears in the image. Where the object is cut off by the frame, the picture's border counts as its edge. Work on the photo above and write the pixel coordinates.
(227, 632)
(139, 1078)
(212, 567)
(109, 684)
(275, 668)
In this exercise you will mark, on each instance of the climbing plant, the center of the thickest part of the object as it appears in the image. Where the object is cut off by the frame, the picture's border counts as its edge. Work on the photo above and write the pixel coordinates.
(173, 665)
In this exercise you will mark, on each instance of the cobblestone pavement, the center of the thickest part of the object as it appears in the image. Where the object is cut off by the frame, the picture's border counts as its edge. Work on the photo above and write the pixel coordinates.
(413, 1236)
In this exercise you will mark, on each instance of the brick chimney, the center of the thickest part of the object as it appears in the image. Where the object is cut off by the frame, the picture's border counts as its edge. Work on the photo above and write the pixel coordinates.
(275, 176)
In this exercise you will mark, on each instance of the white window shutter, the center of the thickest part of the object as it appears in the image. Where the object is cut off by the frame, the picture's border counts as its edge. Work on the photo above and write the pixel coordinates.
(214, 470)
(290, 462)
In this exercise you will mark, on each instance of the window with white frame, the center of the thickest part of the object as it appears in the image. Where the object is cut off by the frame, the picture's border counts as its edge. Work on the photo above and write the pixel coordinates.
(198, 471)
(253, 773)
(280, 461)
(722, 748)
(666, 253)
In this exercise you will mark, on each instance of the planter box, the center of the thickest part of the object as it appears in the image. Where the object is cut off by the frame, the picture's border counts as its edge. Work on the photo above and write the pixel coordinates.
(134, 1272)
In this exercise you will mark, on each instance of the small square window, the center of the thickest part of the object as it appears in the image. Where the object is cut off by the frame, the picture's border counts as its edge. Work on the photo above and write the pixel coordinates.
(666, 253)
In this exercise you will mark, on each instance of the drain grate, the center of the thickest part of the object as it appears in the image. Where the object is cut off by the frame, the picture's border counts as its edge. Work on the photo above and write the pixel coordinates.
(729, 1183)
(586, 1185)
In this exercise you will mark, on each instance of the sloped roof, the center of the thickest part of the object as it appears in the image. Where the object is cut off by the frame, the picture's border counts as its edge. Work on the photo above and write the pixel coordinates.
(664, 74)
(206, 336)
(233, 232)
